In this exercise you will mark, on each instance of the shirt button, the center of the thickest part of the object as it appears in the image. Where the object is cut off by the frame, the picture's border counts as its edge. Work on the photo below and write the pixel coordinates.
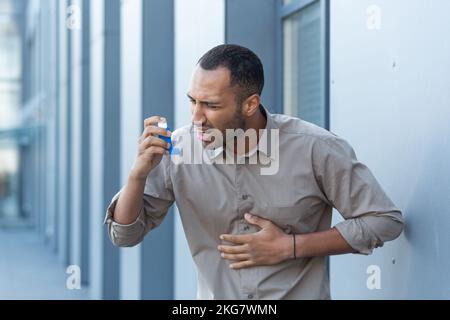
(246, 228)
(250, 296)
(244, 197)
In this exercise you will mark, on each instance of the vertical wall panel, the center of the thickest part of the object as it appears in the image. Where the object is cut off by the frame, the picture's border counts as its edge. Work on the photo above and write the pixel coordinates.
(105, 143)
(157, 99)
(131, 123)
(85, 140)
(259, 35)
(63, 146)
(199, 26)
(75, 64)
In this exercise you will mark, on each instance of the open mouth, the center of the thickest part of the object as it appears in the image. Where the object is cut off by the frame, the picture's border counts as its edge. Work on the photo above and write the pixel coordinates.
(201, 134)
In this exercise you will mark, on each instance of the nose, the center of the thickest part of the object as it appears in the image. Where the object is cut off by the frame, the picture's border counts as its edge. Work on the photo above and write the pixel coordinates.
(197, 114)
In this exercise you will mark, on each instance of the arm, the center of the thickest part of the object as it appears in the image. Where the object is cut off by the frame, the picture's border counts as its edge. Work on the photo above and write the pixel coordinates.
(324, 243)
(143, 202)
(130, 203)
(150, 152)
(370, 216)
(271, 245)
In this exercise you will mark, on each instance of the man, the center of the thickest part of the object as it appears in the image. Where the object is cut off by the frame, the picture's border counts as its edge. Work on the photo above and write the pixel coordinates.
(253, 235)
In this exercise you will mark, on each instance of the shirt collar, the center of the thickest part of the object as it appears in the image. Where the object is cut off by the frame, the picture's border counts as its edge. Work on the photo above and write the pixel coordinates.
(263, 146)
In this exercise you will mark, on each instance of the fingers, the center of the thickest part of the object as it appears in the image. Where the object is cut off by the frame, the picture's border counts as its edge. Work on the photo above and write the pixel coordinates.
(149, 142)
(237, 253)
(153, 142)
(242, 264)
(154, 131)
(153, 121)
(156, 150)
(233, 249)
(236, 257)
(238, 239)
(260, 222)
(151, 128)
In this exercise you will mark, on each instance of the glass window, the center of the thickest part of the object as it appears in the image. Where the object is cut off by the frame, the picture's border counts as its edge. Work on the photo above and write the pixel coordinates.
(303, 65)
(10, 104)
(9, 180)
(9, 49)
(10, 71)
(10, 101)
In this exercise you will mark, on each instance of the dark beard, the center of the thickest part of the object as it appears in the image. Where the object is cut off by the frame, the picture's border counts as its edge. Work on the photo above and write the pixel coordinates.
(236, 122)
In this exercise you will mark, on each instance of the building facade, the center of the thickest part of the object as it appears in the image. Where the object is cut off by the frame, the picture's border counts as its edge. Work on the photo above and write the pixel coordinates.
(373, 72)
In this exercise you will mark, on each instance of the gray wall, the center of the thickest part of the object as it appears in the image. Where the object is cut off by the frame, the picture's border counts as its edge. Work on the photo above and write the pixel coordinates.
(80, 141)
(157, 94)
(390, 98)
(63, 142)
(258, 34)
(105, 143)
(76, 144)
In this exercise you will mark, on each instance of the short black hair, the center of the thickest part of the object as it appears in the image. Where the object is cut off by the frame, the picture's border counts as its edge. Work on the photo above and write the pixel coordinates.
(246, 69)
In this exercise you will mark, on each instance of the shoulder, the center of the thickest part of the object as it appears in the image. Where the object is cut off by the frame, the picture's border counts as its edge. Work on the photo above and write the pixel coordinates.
(309, 135)
(289, 125)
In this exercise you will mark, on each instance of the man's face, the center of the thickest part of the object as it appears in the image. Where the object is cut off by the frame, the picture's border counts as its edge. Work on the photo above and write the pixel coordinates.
(213, 102)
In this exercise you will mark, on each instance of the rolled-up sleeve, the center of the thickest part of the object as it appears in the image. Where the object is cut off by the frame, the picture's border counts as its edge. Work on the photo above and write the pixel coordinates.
(371, 218)
(156, 201)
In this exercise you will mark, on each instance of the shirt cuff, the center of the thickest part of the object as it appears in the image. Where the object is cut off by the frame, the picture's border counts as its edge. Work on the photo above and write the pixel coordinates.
(123, 234)
(358, 236)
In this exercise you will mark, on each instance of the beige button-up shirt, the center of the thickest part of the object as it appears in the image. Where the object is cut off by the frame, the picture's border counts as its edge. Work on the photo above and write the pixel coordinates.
(312, 171)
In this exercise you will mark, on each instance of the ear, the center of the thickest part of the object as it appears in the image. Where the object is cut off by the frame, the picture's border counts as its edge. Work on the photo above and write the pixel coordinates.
(251, 105)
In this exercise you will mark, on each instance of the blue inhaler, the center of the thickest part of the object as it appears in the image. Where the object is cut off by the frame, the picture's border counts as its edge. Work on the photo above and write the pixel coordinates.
(163, 124)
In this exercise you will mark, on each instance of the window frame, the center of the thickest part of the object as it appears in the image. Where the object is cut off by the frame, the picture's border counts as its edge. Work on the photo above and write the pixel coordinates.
(286, 11)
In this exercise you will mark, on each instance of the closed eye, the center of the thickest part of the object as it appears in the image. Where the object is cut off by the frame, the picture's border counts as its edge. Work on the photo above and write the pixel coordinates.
(211, 105)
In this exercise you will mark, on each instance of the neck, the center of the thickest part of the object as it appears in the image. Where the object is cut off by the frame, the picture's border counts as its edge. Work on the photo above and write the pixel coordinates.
(256, 122)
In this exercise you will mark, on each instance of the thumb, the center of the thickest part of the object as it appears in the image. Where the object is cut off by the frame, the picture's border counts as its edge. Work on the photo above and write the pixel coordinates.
(261, 222)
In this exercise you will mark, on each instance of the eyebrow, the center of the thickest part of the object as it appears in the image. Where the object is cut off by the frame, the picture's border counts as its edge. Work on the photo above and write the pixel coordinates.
(204, 102)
